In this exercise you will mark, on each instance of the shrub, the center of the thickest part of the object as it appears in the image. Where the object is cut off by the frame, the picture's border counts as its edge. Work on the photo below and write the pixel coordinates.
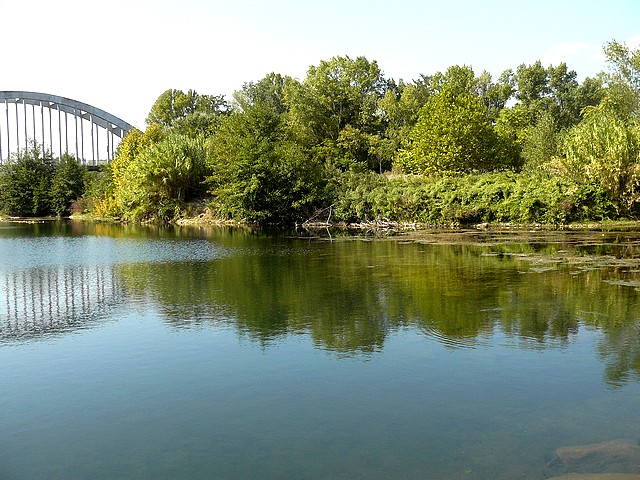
(492, 197)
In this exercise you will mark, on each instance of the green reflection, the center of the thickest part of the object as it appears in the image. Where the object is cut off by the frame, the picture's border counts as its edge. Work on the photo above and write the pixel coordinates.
(349, 296)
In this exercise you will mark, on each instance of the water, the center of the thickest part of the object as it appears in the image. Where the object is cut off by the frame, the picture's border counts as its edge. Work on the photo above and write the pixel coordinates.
(138, 353)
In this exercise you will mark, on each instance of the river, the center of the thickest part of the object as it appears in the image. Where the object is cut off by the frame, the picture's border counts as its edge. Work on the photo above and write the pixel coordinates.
(226, 353)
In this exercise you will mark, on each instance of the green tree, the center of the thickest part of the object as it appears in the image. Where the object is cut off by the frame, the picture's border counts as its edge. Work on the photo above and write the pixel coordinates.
(337, 94)
(259, 173)
(453, 135)
(549, 101)
(495, 95)
(189, 113)
(457, 80)
(399, 110)
(540, 143)
(269, 92)
(556, 91)
(532, 83)
(25, 183)
(132, 145)
(604, 149)
(67, 184)
(624, 62)
(624, 79)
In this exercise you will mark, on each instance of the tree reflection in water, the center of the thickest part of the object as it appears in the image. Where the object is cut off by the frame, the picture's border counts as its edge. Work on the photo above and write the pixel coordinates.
(349, 297)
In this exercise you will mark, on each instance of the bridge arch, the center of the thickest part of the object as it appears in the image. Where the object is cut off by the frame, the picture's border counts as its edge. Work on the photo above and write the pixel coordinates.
(93, 134)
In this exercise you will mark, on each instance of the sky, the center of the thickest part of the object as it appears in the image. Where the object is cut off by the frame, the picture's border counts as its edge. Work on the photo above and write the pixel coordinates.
(120, 55)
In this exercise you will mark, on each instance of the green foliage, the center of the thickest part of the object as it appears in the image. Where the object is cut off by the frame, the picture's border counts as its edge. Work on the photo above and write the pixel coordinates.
(400, 108)
(188, 113)
(164, 175)
(25, 183)
(67, 184)
(269, 92)
(624, 78)
(491, 197)
(540, 143)
(290, 145)
(555, 91)
(453, 135)
(259, 174)
(98, 193)
(532, 83)
(339, 94)
(33, 183)
(604, 149)
(625, 63)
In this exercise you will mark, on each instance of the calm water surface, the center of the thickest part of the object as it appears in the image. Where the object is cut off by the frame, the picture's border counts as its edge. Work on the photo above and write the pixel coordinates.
(136, 353)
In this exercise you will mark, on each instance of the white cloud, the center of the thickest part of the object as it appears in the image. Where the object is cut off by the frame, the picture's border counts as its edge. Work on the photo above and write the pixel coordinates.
(565, 52)
(633, 42)
(585, 58)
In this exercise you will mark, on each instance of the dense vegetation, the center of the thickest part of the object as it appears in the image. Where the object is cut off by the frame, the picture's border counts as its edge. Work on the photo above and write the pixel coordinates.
(33, 183)
(348, 144)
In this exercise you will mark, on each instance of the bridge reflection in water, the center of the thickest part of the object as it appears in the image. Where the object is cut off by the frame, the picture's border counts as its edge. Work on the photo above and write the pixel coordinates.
(44, 301)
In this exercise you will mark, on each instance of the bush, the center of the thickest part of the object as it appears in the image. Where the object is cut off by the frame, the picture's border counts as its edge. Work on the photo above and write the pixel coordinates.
(154, 175)
(492, 197)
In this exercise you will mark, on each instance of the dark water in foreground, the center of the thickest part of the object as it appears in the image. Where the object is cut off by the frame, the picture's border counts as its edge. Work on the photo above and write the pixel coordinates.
(228, 354)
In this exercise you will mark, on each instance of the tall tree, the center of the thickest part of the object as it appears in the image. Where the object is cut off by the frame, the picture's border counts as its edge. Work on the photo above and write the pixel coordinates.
(624, 78)
(189, 113)
(337, 94)
(269, 92)
(604, 149)
(259, 173)
(25, 182)
(399, 110)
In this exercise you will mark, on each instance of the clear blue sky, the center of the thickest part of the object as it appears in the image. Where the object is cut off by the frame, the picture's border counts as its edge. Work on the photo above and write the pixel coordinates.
(120, 55)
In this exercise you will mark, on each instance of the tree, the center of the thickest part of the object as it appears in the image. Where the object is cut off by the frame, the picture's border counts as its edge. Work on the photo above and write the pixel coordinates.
(337, 94)
(188, 113)
(495, 96)
(131, 147)
(453, 135)
(259, 173)
(457, 80)
(269, 92)
(624, 79)
(25, 183)
(399, 110)
(625, 63)
(67, 184)
(532, 83)
(540, 144)
(604, 149)
(550, 101)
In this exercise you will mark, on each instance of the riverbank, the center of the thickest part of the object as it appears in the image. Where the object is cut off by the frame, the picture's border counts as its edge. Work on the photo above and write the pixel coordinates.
(206, 219)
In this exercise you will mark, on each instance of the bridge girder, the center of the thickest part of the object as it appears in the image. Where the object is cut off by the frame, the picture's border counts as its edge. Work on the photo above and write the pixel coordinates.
(100, 117)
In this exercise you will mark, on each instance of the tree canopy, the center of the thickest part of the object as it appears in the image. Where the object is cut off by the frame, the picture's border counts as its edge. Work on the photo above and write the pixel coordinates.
(286, 147)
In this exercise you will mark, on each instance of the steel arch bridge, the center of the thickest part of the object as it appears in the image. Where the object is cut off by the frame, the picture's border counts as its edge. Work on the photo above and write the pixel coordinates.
(92, 133)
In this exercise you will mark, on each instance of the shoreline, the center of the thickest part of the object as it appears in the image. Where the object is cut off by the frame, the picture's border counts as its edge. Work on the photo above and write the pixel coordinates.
(382, 225)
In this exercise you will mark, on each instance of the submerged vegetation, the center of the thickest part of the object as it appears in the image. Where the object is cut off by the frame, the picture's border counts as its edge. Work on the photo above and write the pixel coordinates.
(347, 144)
